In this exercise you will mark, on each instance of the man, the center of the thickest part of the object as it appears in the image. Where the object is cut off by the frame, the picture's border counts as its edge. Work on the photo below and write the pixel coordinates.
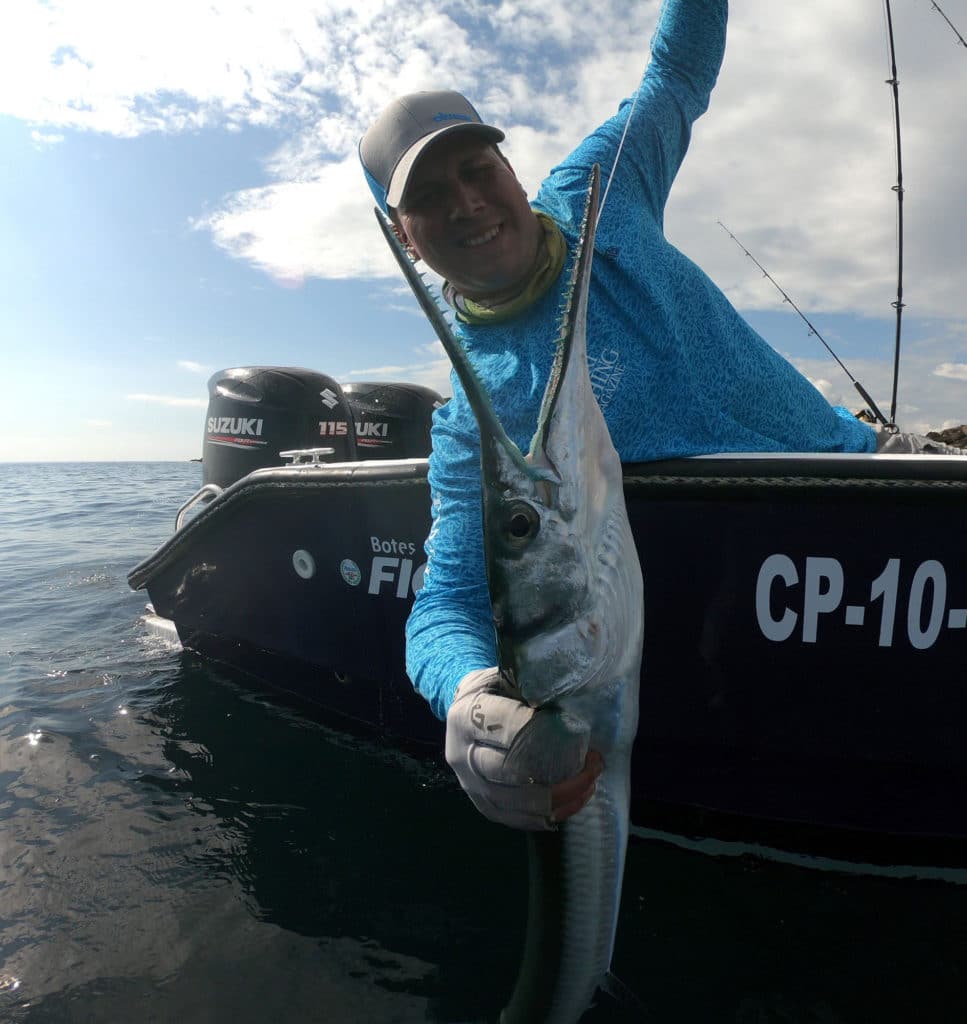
(677, 372)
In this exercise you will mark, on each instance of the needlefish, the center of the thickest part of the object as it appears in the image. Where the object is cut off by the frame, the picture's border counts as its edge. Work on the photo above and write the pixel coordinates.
(566, 591)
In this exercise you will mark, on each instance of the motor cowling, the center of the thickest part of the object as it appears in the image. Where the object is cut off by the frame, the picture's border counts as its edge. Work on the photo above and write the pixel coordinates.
(392, 420)
(256, 412)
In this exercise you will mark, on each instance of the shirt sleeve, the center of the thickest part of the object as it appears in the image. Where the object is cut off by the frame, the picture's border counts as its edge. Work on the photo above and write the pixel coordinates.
(687, 50)
(450, 629)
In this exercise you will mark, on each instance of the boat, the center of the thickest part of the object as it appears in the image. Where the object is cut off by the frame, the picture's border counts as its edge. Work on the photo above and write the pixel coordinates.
(805, 614)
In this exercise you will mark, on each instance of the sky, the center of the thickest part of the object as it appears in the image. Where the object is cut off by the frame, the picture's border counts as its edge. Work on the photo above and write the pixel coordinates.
(180, 192)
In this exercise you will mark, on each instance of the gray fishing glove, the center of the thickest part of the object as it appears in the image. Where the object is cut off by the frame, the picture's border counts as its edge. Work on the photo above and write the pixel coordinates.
(506, 754)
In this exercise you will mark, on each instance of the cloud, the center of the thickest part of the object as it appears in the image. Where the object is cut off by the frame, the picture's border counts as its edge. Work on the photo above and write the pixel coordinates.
(97, 424)
(169, 400)
(42, 140)
(926, 400)
(955, 371)
(796, 154)
(799, 167)
(432, 372)
(409, 310)
(320, 227)
(193, 367)
(824, 387)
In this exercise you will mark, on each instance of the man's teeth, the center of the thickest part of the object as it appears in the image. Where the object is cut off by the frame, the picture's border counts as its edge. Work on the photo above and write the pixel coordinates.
(485, 237)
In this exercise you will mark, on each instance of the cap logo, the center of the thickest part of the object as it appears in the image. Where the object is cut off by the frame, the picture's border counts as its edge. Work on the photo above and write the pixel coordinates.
(451, 117)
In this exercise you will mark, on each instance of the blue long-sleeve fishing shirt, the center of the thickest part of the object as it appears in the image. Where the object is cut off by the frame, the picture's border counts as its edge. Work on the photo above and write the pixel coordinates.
(675, 369)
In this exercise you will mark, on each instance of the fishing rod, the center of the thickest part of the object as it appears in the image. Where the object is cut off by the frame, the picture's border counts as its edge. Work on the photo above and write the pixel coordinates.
(898, 304)
(937, 8)
(864, 394)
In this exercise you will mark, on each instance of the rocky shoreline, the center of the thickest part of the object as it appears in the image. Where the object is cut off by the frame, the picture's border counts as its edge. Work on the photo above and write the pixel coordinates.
(956, 436)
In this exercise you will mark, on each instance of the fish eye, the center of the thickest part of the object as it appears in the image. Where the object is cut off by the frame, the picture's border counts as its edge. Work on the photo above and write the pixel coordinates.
(521, 522)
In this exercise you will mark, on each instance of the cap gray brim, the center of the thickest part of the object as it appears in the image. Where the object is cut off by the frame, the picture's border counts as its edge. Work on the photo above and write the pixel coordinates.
(403, 170)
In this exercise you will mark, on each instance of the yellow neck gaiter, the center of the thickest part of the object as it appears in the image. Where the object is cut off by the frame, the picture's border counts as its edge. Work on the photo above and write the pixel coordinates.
(554, 252)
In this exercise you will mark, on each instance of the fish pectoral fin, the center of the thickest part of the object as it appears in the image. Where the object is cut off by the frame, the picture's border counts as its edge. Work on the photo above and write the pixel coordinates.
(618, 991)
(550, 748)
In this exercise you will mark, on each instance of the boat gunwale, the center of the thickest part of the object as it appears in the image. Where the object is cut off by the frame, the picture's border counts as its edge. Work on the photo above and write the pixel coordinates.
(746, 475)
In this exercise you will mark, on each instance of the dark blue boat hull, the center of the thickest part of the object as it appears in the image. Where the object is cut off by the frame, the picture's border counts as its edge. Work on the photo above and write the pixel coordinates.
(805, 627)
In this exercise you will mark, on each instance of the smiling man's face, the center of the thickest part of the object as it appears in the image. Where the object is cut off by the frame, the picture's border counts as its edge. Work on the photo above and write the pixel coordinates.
(465, 214)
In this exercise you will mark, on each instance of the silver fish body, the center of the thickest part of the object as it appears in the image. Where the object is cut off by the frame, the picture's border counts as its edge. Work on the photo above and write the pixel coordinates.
(566, 590)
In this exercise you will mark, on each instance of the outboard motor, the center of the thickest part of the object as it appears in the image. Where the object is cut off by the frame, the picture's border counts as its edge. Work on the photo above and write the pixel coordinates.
(392, 420)
(255, 412)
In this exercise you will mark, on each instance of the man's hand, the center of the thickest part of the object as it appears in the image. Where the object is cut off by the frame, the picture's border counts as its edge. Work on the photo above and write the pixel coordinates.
(522, 767)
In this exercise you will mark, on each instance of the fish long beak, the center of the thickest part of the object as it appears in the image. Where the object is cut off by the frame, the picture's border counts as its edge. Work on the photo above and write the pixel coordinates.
(558, 442)
(501, 460)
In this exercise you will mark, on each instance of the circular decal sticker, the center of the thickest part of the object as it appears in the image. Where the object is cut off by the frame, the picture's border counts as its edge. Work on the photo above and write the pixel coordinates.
(349, 571)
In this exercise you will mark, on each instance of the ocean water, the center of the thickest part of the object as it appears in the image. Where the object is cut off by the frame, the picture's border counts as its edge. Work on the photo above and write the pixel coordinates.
(177, 845)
